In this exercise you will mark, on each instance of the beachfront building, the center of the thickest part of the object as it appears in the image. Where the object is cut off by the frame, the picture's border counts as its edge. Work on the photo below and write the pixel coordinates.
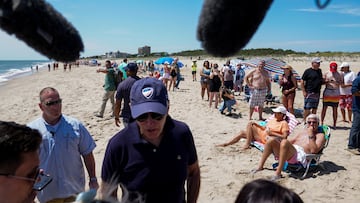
(116, 54)
(144, 51)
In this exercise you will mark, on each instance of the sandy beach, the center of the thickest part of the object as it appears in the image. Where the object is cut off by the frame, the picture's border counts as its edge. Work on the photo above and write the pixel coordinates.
(223, 170)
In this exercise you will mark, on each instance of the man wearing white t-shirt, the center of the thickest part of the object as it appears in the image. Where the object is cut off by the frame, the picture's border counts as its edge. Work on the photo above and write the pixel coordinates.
(345, 91)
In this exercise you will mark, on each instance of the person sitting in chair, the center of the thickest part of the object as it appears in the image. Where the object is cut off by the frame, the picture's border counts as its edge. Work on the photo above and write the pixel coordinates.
(294, 150)
(275, 128)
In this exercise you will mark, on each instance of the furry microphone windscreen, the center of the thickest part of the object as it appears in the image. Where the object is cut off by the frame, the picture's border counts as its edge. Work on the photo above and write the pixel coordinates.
(41, 27)
(226, 26)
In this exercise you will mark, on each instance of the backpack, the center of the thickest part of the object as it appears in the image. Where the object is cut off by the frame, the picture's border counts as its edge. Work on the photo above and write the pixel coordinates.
(118, 75)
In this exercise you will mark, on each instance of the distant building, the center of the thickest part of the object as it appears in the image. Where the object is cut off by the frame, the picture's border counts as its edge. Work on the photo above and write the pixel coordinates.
(144, 51)
(116, 54)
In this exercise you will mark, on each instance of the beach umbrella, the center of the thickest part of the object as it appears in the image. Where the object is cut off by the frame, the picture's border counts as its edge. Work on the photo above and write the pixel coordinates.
(234, 62)
(180, 64)
(272, 65)
(162, 60)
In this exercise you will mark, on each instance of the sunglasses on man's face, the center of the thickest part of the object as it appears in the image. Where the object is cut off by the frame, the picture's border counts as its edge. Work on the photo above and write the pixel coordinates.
(40, 180)
(50, 103)
(154, 116)
(312, 122)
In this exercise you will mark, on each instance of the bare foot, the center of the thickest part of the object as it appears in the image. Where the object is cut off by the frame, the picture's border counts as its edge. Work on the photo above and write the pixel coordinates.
(255, 170)
(244, 148)
(221, 145)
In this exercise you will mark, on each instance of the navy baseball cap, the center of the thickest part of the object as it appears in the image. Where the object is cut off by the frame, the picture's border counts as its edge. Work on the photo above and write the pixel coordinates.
(131, 67)
(148, 95)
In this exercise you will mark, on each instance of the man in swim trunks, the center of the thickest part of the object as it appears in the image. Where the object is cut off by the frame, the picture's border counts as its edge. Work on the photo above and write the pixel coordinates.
(258, 81)
(345, 91)
(311, 82)
(294, 150)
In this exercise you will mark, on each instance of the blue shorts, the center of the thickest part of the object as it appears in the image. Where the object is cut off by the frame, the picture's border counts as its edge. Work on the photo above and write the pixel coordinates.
(312, 100)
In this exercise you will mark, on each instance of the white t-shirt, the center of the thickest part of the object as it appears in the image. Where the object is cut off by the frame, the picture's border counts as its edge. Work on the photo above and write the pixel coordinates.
(228, 74)
(349, 77)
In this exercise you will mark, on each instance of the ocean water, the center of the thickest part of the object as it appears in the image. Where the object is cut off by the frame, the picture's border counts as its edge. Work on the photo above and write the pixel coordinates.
(10, 69)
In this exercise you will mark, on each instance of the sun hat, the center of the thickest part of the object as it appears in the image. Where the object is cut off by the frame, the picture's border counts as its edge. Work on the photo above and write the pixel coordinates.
(316, 60)
(344, 64)
(280, 109)
(167, 63)
(148, 95)
(333, 67)
(131, 67)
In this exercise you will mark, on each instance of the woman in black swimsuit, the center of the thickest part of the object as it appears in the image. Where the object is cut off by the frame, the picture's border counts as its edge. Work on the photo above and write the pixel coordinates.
(289, 86)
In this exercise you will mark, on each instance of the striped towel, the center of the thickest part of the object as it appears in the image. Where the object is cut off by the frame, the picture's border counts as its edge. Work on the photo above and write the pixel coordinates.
(293, 122)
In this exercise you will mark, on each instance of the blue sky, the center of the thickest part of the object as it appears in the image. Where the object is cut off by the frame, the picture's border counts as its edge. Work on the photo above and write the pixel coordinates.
(170, 25)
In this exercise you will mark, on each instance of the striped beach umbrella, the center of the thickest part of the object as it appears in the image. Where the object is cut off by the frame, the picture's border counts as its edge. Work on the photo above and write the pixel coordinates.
(272, 65)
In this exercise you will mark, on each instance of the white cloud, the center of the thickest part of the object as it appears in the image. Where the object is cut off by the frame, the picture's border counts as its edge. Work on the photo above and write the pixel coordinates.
(345, 25)
(339, 9)
(310, 10)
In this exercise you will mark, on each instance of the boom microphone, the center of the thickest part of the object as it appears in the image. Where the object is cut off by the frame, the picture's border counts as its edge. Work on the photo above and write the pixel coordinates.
(226, 26)
(41, 27)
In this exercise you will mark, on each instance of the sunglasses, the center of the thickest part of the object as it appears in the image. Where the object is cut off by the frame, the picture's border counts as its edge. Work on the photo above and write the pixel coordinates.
(154, 116)
(310, 122)
(40, 181)
(50, 103)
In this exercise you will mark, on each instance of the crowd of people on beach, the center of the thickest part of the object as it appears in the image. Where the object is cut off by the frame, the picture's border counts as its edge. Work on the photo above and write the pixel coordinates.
(231, 80)
(153, 158)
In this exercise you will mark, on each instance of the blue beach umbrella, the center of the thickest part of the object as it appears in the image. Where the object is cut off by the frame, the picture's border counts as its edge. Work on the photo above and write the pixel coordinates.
(162, 60)
(180, 64)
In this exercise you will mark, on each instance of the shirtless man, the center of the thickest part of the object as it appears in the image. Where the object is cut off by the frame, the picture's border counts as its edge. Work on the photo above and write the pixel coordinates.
(331, 96)
(258, 81)
(294, 150)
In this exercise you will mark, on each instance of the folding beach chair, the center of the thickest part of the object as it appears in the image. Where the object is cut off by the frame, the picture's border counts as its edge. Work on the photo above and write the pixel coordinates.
(313, 160)
(293, 122)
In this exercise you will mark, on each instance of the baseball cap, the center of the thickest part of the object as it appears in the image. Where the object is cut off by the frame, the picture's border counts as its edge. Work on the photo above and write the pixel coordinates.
(333, 67)
(316, 60)
(344, 64)
(131, 67)
(280, 109)
(166, 62)
(148, 95)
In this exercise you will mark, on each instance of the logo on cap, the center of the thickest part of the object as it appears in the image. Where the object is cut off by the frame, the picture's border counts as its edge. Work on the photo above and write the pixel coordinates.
(148, 92)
